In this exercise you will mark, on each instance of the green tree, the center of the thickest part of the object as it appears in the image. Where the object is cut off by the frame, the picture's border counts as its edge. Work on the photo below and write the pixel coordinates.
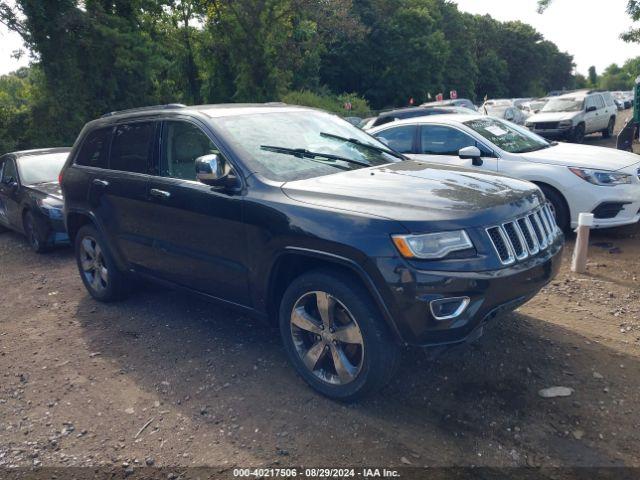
(620, 78)
(593, 76)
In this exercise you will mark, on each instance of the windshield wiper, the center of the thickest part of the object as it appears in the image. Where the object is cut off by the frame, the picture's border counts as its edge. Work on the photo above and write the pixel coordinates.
(303, 153)
(355, 141)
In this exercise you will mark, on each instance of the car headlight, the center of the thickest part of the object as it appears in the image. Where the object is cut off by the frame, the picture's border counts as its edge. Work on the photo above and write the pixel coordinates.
(51, 208)
(529, 124)
(432, 245)
(602, 177)
(565, 123)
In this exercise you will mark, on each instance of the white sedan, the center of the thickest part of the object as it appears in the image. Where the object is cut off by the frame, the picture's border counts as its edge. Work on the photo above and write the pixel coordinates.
(575, 178)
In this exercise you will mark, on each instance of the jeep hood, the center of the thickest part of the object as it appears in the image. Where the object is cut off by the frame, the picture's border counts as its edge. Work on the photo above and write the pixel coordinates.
(551, 117)
(585, 156)
(414, 191)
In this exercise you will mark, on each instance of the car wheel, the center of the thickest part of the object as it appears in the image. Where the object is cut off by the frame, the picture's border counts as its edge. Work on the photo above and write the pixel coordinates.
(578, 134)
(33, 231)
(335, 337)
(98, 271)
(609, 130)
(559, 208)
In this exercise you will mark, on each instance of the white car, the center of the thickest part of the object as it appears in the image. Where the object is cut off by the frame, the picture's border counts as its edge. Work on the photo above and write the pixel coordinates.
(575, 178)
(573, 115)
(505, 109)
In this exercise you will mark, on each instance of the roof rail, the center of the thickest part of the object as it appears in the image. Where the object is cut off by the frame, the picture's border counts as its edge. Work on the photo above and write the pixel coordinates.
(169, 106)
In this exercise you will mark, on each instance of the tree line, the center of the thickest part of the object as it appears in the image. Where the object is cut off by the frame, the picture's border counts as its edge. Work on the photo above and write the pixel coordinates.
(95, 56)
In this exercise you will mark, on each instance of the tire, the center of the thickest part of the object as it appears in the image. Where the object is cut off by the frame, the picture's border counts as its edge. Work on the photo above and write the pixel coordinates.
(98, 271)
(559, 207)
(360, 339)
(578, 133)
(37, 234)
(608, 132)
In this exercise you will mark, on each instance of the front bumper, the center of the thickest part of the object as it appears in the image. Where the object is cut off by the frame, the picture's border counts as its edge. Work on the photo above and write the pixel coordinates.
(52, 228)
(553, 133)
(410, 291)
(587, 198)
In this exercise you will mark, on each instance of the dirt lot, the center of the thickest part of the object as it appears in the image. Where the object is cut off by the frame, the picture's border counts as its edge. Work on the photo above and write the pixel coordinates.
(80, 380)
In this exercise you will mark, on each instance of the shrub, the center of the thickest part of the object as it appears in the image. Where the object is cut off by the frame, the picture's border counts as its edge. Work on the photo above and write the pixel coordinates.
(330, 102)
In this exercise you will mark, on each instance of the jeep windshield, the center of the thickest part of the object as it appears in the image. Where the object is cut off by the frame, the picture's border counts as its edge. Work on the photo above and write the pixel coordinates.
(563, 105)
(507, 136)
(289, 130)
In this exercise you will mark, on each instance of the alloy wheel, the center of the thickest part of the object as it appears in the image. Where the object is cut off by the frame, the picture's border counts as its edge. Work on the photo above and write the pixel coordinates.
(93, 264)
(327, 338)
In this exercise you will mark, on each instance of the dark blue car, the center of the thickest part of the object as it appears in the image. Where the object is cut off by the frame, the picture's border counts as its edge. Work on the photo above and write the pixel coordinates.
(30, 196)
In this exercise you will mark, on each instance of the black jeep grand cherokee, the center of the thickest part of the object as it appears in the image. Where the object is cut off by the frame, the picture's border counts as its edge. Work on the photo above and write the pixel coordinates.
(293, 214)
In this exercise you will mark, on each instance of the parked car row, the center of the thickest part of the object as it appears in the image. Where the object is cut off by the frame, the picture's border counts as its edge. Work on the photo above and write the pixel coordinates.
(352, 245)
(623, 99)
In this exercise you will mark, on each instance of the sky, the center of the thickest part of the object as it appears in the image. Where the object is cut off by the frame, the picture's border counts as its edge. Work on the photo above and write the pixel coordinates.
(587, 29)
(583, 28)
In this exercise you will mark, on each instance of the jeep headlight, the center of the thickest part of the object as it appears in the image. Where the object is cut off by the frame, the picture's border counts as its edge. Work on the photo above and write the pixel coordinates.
(432, 245)
(565, 123)
(602, 177)
(51, 208)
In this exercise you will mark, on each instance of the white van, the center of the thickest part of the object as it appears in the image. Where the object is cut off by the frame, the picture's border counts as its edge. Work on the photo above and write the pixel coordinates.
(573, 115)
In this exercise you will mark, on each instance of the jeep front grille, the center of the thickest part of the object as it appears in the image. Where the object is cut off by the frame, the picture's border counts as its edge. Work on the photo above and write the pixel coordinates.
(526, 236)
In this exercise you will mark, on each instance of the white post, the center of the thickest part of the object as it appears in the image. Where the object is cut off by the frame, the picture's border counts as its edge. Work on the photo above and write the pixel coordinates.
(579, 262)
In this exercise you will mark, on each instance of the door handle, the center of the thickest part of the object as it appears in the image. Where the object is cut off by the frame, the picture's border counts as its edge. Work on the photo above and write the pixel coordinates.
(100, 183)
(159, 193)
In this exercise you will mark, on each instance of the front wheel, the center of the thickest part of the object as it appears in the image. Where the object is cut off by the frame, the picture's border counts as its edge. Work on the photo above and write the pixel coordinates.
(35, 233)
(578, 134)
(335, 337)
(98, 271)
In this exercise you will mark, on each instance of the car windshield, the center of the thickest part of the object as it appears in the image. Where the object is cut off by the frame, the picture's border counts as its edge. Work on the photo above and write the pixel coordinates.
(496, 111)
(287, 131)
(498, 103)
(41, 168)
(507, 136)
(564, 105)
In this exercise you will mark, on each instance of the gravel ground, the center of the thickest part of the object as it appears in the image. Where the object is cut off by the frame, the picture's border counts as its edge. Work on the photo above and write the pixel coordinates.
(169, 380)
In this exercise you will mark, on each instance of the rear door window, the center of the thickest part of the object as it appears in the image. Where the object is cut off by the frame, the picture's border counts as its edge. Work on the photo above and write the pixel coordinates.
(95, 149)
(399, 138)
(599, 101)
(132, 147)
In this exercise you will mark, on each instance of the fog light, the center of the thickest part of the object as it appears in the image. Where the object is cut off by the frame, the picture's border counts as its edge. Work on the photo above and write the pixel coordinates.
(449, 308)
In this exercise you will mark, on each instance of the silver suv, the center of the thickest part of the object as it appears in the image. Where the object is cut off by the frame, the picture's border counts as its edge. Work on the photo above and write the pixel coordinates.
(573, 115)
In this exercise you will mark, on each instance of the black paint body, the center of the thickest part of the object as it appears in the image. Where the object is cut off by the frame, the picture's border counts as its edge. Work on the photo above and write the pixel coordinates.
(229, 244)
(17, 198)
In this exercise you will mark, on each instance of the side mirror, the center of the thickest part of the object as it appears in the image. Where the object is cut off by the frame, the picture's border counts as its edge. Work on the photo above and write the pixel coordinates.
(473, 153)
(591, 109)
(212, 170)
(11, 183)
